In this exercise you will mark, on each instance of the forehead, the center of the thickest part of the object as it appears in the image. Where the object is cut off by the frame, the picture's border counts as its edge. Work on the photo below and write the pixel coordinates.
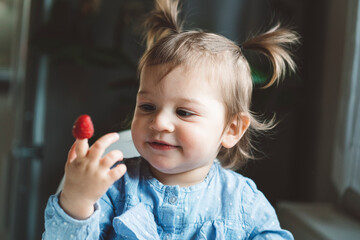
(183, 79)
(191, 71)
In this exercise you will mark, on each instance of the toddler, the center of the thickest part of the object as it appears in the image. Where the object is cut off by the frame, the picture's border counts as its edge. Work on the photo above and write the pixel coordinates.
(192, 108)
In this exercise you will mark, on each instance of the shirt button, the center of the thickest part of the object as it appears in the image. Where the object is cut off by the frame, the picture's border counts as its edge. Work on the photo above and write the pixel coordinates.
(172, 200)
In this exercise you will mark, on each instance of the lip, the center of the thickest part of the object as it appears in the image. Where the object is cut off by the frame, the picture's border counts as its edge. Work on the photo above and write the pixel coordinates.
(161, 145)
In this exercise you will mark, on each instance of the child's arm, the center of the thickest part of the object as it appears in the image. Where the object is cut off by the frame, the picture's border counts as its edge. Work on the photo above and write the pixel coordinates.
(87, 178)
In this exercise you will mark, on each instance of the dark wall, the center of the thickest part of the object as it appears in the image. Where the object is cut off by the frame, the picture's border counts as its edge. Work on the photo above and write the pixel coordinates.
(91, 68)
(288, 171)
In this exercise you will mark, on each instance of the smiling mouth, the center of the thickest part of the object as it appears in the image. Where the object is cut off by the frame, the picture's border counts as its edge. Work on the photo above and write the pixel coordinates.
(162, 146)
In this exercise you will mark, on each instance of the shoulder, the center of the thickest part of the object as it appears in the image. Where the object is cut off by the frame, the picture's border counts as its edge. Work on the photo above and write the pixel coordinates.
(242, 186)
(234, 181)
(236, 186)
(244, 200)
(233, 186)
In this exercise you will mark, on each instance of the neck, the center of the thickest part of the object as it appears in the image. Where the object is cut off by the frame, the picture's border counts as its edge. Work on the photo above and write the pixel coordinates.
(183, 179)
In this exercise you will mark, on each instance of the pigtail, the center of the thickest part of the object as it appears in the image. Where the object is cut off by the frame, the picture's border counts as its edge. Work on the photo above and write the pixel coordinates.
(162, 21)
(274, 45)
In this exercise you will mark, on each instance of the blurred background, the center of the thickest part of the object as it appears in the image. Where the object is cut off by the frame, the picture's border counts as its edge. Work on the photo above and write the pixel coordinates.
(63, 58)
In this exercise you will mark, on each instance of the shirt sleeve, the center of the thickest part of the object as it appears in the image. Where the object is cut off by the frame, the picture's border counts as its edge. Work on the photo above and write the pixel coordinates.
(260, 217)
(59, 225)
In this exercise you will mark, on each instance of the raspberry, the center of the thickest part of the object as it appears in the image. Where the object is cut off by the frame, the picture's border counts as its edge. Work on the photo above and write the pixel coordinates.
(83, 127)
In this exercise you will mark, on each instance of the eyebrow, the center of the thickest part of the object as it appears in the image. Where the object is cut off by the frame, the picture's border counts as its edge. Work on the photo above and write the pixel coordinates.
(142, 92)
(188, 100)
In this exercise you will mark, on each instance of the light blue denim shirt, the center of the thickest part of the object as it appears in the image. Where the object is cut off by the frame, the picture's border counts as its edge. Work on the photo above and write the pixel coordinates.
(225, 205)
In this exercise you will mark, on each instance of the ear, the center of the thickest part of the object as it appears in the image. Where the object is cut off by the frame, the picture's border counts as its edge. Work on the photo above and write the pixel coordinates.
(235, 130)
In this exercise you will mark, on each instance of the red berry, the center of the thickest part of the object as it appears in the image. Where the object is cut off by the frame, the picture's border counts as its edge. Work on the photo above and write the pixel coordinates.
(83, 127)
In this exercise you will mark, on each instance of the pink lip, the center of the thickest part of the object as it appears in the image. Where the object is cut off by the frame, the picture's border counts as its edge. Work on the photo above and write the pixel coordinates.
(161, 145)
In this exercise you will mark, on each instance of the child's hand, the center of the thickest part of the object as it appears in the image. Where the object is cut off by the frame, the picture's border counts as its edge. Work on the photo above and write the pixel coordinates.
(88, 175)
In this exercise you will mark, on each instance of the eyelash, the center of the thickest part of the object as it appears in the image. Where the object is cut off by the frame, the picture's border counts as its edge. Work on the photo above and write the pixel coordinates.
(184, 113)
(180, 112)
(147, 107)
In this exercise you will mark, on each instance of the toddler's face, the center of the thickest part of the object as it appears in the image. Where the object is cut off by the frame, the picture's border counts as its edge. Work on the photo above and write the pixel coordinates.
(179, 119)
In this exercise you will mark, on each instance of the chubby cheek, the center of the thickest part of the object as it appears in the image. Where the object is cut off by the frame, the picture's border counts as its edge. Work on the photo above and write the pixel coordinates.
(197, 142)
(137, 132)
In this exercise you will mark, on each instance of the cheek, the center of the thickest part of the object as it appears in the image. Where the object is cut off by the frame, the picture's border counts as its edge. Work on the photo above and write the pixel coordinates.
(138, 121)
(137, 129)
(201, 137)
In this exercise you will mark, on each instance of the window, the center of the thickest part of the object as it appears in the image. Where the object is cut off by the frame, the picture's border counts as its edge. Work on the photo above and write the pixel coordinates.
(346, 157)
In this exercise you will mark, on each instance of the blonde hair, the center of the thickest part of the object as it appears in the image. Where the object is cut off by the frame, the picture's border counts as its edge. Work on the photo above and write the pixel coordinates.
(168, 43)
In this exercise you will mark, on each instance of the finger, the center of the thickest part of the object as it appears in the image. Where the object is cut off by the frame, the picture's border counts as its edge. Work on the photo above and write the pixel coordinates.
(117, 172)
(72, 153)
(98, 148)
(81, 147)
(111, 158)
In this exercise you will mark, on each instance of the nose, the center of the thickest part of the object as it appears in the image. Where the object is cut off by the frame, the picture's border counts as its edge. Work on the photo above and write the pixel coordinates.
(162, 122)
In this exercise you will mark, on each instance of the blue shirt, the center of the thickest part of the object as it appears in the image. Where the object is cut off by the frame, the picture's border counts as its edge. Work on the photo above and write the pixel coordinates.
(226, 205)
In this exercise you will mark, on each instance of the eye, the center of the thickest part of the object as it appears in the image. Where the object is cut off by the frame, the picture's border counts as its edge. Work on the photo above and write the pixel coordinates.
(147, 107)
(184, 113)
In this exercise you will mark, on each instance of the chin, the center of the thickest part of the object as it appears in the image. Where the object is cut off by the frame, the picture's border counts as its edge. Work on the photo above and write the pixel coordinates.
(164, 167)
